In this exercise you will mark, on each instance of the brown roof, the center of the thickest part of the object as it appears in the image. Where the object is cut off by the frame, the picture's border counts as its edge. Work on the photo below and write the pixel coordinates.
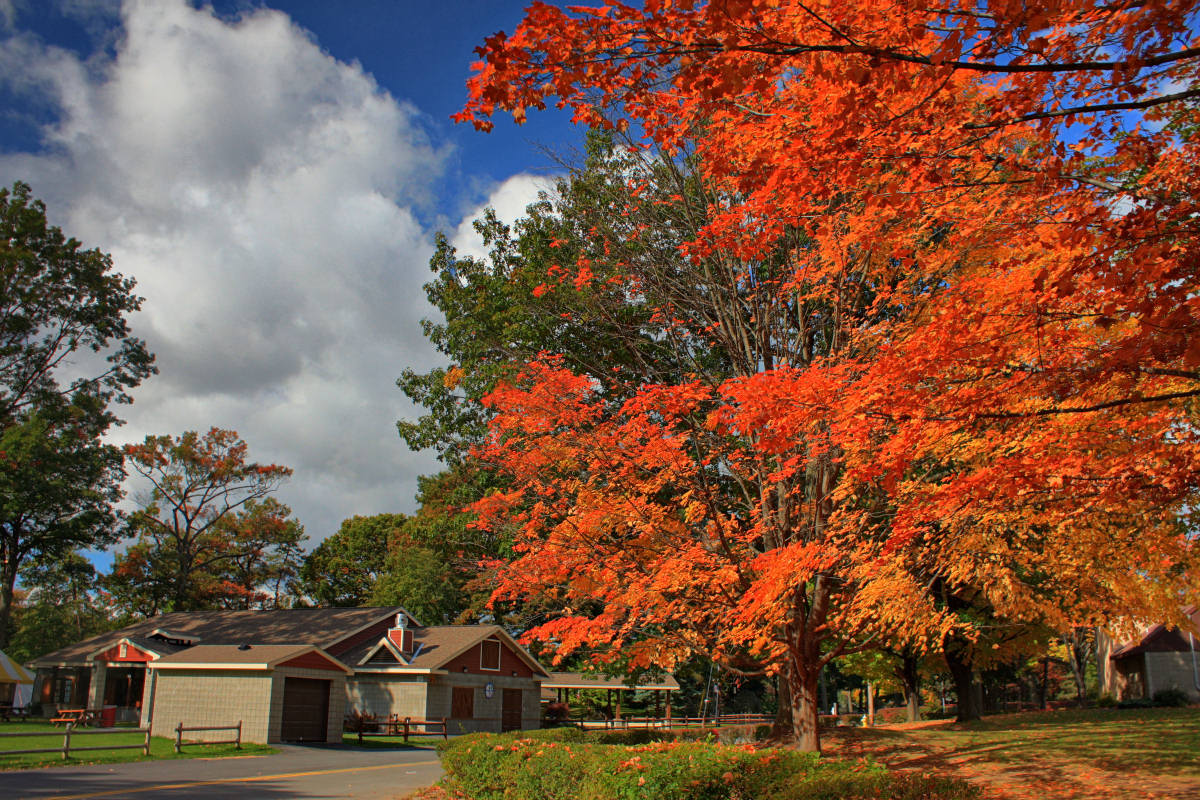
(323, 627)
(254, 656)
(436, 645)
(1160, 638)
(578, 680)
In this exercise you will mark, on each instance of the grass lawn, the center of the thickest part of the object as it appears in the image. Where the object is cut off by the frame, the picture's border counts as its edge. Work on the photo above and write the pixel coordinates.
(391, 742)
(1111, 753)
(39, 734)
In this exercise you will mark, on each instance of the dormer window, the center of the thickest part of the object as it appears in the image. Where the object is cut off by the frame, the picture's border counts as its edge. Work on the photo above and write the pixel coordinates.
(489, 655)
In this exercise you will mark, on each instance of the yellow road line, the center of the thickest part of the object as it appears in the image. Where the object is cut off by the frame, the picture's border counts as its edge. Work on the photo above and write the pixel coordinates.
(162, 787)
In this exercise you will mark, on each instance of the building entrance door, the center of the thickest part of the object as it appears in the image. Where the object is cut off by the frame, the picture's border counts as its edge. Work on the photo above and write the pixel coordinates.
(305, 710)
(510, 714)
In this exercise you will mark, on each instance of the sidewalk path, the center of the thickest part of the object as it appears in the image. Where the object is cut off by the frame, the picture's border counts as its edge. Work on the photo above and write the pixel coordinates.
(296, 771)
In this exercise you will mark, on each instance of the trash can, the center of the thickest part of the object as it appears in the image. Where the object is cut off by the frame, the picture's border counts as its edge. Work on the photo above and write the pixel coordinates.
(108, 716)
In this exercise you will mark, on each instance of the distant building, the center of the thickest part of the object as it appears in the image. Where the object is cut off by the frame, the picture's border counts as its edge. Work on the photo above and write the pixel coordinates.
(1159, 658)
(292, 674)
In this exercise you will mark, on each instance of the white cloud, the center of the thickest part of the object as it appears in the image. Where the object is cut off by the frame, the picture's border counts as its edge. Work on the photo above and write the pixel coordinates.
(509, 199)
(264, 195)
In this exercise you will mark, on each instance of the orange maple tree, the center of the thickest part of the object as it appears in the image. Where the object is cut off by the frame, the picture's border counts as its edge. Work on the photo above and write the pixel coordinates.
(208, 533)
(977, 349)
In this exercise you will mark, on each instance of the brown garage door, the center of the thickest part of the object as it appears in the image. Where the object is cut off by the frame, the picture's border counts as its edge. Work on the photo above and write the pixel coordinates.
(305, 710)
(510, 719)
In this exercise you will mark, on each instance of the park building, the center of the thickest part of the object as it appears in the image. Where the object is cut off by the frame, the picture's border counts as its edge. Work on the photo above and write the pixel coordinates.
(294, 674)
(1159, 658)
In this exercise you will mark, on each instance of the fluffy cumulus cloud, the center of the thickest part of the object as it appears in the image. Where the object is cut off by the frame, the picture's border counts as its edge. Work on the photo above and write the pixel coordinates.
(267, 198)
(509, 200)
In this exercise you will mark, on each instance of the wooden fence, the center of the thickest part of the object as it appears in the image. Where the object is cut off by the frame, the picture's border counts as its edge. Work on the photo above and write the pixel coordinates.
(675, 722)
(180, 730)
(70, 732)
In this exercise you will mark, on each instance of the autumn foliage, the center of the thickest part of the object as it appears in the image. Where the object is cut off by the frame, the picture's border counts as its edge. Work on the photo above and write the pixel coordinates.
(962, 242)
(208, 534)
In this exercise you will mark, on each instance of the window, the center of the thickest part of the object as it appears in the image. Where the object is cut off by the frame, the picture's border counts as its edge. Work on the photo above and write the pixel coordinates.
(489, 655)
(462, 703)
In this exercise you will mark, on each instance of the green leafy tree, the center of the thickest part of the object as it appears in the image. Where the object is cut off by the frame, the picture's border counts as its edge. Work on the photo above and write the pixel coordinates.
(61, 602)
(203, 521)
(66, 357)
(422, 581)
(342, 570)
(527, 297)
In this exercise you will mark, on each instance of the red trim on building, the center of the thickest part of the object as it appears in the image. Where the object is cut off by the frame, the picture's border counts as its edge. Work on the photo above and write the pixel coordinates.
(510, 663)
(125, 652)
(403, 639)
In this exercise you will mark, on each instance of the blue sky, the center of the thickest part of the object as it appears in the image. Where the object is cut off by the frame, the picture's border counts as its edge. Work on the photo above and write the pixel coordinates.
(273, 175)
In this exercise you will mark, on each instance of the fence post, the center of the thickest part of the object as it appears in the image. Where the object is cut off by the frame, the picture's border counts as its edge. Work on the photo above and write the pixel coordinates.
(146, 744)
(238, 743)
(67, 741)
(179, 737)
(406, 720)
(445, 730)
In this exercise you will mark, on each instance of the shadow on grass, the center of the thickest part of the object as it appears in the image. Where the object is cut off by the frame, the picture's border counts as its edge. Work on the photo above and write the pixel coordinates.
(390, 742)
(1098, 752)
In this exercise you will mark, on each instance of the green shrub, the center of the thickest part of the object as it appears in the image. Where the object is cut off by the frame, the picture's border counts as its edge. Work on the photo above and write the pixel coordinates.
(730, 734)
(1172, 698)
(540, 766)
(563, 734)
(629, 736)
(693, 771)
(874, 785)
(1106, 700)
(1138, 703)
(891, 716)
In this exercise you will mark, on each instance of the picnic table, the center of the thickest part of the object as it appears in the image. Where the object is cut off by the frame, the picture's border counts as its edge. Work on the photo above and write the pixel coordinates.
(8, 712)
(78, 716)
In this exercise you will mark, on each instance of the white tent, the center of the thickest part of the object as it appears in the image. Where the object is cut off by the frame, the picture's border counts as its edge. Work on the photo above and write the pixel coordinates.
(12, 672)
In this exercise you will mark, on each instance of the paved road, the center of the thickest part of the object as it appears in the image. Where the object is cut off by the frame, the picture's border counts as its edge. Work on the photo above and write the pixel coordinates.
(295, 772)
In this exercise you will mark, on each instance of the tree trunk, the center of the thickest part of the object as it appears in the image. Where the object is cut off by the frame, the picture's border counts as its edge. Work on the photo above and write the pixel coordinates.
(8, 583)
(1077, 651)
(958, 659)
(910, 677)
(783, 714)
(805, 694)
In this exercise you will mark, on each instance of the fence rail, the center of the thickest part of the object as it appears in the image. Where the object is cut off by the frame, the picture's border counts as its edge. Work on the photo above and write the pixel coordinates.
(70, 732)
(180, 730)
(675, 722)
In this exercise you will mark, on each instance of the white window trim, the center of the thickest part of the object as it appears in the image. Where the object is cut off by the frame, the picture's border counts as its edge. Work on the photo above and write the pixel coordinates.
(499, 654)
